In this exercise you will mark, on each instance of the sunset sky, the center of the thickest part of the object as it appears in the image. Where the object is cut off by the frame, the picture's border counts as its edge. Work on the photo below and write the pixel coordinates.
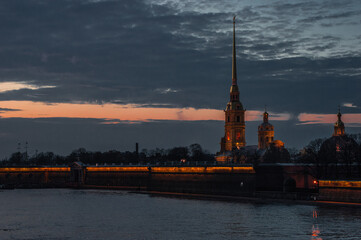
(104, 74)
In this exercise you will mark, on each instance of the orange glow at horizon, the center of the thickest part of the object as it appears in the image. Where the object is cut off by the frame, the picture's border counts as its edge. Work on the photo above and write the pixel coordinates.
(255, 115)
(109, 111)
(116, 112)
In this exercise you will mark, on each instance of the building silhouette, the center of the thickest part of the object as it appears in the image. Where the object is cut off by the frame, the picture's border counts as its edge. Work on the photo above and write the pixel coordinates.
(233, 143)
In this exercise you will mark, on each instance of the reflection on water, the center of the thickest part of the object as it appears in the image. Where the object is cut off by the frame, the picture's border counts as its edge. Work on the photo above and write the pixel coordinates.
(97, 214)
(315, 229)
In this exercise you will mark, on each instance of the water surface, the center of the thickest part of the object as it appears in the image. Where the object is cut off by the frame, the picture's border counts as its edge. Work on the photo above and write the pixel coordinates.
(99, 214)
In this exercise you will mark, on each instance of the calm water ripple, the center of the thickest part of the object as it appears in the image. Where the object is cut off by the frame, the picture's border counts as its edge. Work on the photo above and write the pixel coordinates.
(54, 214)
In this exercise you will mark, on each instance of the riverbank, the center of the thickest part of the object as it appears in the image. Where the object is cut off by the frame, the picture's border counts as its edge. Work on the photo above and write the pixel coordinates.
(248, 199)
(273, 182)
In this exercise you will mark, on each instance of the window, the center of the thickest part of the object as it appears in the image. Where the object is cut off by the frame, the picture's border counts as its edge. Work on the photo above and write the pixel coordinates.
(228, 119)
(238, 136)
(228, 138)
(238, 119)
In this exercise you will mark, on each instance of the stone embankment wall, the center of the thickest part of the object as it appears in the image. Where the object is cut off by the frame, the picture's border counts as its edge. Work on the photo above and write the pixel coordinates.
(272, 181)
(227, 180)
(340, 191)
(34, 176)
(238, 181)
(286, 177)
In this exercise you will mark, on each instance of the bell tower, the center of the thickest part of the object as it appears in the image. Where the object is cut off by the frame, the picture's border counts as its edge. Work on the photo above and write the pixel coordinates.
(265, 132)
(234, 135)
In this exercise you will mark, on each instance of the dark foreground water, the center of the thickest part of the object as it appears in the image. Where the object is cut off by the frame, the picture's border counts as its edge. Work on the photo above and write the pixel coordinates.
(96, 214)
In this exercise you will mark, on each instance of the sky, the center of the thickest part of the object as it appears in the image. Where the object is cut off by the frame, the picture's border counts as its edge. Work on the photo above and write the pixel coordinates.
(105, 74)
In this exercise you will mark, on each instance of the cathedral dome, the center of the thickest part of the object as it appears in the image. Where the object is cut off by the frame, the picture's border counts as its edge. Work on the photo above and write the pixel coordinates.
(278, 144)
(338, 149)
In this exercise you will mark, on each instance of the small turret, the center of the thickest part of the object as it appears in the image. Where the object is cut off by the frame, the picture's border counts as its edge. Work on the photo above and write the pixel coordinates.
(265, 117)
(339, 127)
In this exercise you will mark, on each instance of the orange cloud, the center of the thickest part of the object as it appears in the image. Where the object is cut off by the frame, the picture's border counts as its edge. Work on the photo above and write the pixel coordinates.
(115, 113)
(127, 112)
(309, 118)
(254, 115)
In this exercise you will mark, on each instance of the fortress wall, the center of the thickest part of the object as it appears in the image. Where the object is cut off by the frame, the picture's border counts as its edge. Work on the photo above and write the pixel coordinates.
(117, 178)
(242, 184)
(340, 190)
(286, 178)
(270, 178)
(209, 180)
(226, 180)
(34, 176)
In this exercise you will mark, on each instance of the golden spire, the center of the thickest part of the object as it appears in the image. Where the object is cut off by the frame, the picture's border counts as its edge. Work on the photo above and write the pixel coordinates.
(339, 113)
(234, 92)
(339, 127)
(234, 67)
(265, 114)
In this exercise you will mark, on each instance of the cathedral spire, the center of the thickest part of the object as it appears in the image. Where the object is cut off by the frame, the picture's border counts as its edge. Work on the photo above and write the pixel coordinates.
(265, 116)
(234, 93)
(234, 127)
(234, 67)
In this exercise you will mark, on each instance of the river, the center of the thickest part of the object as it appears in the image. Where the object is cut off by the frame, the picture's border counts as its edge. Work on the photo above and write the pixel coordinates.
(53, 214)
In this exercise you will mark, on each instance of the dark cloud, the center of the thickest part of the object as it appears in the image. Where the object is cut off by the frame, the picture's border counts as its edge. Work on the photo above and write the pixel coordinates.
(347, 14)
(8, 109)
(294, 57)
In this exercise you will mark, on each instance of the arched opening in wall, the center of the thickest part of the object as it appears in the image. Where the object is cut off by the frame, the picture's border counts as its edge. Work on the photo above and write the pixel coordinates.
(289, 185)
